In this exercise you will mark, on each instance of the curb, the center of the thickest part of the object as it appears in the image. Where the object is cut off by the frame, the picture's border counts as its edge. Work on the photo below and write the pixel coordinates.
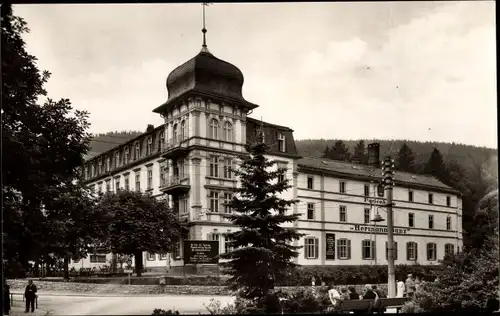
(41, 294)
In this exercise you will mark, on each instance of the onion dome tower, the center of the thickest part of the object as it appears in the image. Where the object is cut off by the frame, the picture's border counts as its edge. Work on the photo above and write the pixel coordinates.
(207, 76)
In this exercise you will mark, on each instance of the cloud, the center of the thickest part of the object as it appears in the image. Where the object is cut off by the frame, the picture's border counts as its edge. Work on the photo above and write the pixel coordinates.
(413, 70)
(432, 72)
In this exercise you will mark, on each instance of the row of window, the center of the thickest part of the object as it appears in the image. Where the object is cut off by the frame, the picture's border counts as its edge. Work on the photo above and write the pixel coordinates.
(380, 191)
(123, 156)
(126, 181)
(368, 249)
(311, 215)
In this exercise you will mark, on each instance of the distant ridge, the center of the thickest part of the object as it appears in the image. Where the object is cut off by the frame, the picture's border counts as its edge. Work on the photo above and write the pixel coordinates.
(315, 147)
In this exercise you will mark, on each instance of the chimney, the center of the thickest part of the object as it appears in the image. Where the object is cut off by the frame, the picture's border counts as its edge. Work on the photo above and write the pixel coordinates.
(374, 154)
(150, 128)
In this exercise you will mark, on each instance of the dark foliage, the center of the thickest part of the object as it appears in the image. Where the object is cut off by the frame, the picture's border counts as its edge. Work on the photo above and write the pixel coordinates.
(405, 161)
(42, 152)
(339, 151)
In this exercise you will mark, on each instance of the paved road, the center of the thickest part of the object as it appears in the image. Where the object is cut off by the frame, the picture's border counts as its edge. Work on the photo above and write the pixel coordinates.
(117, 305)
(90, 304)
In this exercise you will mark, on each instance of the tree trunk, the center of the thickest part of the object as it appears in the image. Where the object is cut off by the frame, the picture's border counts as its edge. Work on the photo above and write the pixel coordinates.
(113, 262)
(138, 263)
(66, 268)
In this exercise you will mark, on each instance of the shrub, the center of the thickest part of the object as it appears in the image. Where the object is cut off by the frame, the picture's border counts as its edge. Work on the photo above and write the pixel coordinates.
(159, 311)
(214, 308)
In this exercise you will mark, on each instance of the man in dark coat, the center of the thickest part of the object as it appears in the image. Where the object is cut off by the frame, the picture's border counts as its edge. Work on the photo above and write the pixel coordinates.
(6, 298)
(30, 295)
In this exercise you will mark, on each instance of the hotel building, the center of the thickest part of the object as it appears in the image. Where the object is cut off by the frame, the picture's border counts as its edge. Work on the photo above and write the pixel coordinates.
(187, 160)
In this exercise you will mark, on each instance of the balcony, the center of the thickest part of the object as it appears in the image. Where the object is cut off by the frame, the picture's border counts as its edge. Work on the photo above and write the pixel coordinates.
(175, 148)
(175, 185)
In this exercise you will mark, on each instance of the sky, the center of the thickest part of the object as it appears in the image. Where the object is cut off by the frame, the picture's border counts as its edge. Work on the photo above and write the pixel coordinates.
(422, 71)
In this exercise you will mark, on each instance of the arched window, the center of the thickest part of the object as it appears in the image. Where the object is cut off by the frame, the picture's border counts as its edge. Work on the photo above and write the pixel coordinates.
(174, 134)
(183, 130)
(228, 131)
(213, 129)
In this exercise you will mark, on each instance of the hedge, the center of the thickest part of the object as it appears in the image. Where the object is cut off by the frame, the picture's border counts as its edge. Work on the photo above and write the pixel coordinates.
(362, 274)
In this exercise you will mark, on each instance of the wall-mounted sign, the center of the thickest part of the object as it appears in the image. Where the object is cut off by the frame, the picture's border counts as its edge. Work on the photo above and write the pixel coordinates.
(201, 251)
(377, 201)
(378, 229)
(330, 246)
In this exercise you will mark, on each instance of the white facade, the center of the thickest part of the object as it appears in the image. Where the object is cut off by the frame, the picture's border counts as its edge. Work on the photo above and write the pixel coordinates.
(186, 160)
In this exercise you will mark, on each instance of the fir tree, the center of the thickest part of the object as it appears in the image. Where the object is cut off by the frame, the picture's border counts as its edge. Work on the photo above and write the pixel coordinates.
(326, 152)
(339, 151)
(435, 166)
(263, 249)
(359, 153)
(405, 161)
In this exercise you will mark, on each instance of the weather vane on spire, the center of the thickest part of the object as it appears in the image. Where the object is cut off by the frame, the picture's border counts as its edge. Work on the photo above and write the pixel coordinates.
(204, 30)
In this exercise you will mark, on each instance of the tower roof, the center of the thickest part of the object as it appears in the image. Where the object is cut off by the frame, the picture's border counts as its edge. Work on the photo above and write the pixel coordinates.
(209, 76)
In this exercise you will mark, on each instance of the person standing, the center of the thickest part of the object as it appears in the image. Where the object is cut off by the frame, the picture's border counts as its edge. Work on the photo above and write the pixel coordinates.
(6, 298)
(409, 285)
(400, 289)
(30, 296)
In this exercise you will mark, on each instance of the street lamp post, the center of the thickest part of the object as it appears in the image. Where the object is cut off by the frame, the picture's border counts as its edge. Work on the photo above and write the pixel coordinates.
(388, 174)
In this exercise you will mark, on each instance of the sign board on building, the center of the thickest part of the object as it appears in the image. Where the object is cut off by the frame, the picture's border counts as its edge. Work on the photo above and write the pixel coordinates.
(201, 251)
(378, 229)
(330, 247)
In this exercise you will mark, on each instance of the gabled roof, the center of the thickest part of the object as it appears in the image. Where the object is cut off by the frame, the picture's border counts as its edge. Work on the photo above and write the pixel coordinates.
(370, 172)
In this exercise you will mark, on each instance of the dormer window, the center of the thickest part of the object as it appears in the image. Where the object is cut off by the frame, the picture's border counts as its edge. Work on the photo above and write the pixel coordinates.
(108, 163)
(281, 142)
(137, 151)
(228, 131)
(162, 140)
(149, 148)
(92, 170)
(126, 155)
(117, 159)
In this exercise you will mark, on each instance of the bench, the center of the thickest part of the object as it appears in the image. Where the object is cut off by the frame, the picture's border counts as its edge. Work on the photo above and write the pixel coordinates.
(22, 295)
(354, 305)
(396, 302)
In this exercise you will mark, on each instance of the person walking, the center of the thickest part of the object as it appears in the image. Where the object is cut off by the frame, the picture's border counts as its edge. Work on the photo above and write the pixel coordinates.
(30, 296)
(6, 298)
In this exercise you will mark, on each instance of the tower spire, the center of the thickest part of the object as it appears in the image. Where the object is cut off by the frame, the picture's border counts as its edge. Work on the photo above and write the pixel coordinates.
(204, 30)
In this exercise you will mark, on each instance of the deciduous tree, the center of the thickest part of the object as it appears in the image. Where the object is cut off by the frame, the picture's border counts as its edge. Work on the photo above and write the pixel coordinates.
(134, 222)
(263, 251)
(42, 145)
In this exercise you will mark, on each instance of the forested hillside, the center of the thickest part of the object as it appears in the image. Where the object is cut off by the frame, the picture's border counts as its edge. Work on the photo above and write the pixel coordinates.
(421, 150)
